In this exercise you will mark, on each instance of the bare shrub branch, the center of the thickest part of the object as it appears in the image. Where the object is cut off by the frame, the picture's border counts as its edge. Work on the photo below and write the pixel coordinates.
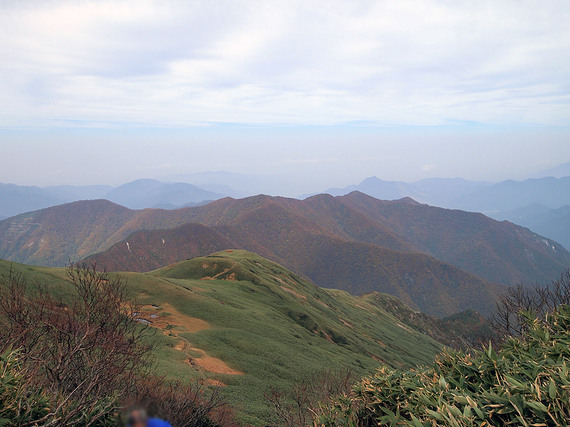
(183, 404)
(86, 353)
(297, 407)
(509, 318)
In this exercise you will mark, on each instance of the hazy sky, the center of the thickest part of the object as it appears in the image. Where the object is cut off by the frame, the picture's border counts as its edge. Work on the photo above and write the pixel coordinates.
(109, 91)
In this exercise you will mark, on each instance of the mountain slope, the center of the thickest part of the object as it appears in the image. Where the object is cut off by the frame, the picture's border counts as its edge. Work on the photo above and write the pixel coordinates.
(56, 235)
(496, 251)
(435, 191)
(244, 323)
(552, 223)
(340, 220)
(152, 249)
(508, 195)
(420, 281)
(145, 193)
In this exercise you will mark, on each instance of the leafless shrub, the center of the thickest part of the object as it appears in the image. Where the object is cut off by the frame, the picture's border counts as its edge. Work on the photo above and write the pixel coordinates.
(86, 353)
(508, 319)
(298, 406)
(182, 404)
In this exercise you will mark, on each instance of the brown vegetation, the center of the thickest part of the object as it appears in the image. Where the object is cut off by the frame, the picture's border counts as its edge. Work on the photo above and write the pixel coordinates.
(175, 322)
(183, 404)
(88, 356)
(297, 406)
(514, 306)
(91, 351)
(154, 316)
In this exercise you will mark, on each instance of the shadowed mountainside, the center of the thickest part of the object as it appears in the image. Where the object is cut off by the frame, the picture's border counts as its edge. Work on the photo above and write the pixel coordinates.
(497, 251)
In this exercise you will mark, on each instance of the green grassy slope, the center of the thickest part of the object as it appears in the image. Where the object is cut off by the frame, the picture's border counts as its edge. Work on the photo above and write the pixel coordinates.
(246, 314)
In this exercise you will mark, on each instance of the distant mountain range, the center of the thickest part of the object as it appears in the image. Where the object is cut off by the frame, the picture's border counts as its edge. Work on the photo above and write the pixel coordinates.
(552, 223)
(436, 260)
(15, 199)
(140, 194)
(504, 200)
(509, 195)
(549, 188)
(148, 193)
(434, 191)
(559, 171)
(468, 195)
(516, 201)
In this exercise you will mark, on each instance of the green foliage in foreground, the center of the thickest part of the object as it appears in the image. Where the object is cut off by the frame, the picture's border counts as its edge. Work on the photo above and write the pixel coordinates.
(24, 403)
(18, 402)
(526, 382)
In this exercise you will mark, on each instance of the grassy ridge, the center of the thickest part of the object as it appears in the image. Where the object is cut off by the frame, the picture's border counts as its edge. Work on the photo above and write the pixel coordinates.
(264, 322)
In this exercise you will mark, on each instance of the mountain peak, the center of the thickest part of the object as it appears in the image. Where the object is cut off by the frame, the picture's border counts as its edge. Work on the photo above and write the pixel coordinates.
(372, 179)
(409, 201)
(559, 171)
(96, 205)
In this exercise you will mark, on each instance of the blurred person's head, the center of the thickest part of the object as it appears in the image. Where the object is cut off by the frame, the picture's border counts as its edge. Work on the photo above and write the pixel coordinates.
(137, 418)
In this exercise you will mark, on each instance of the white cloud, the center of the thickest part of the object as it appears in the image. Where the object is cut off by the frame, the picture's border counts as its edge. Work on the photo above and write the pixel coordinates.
(175, 63)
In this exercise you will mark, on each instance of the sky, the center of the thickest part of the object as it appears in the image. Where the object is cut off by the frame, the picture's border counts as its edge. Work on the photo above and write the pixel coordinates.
(328, 92)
